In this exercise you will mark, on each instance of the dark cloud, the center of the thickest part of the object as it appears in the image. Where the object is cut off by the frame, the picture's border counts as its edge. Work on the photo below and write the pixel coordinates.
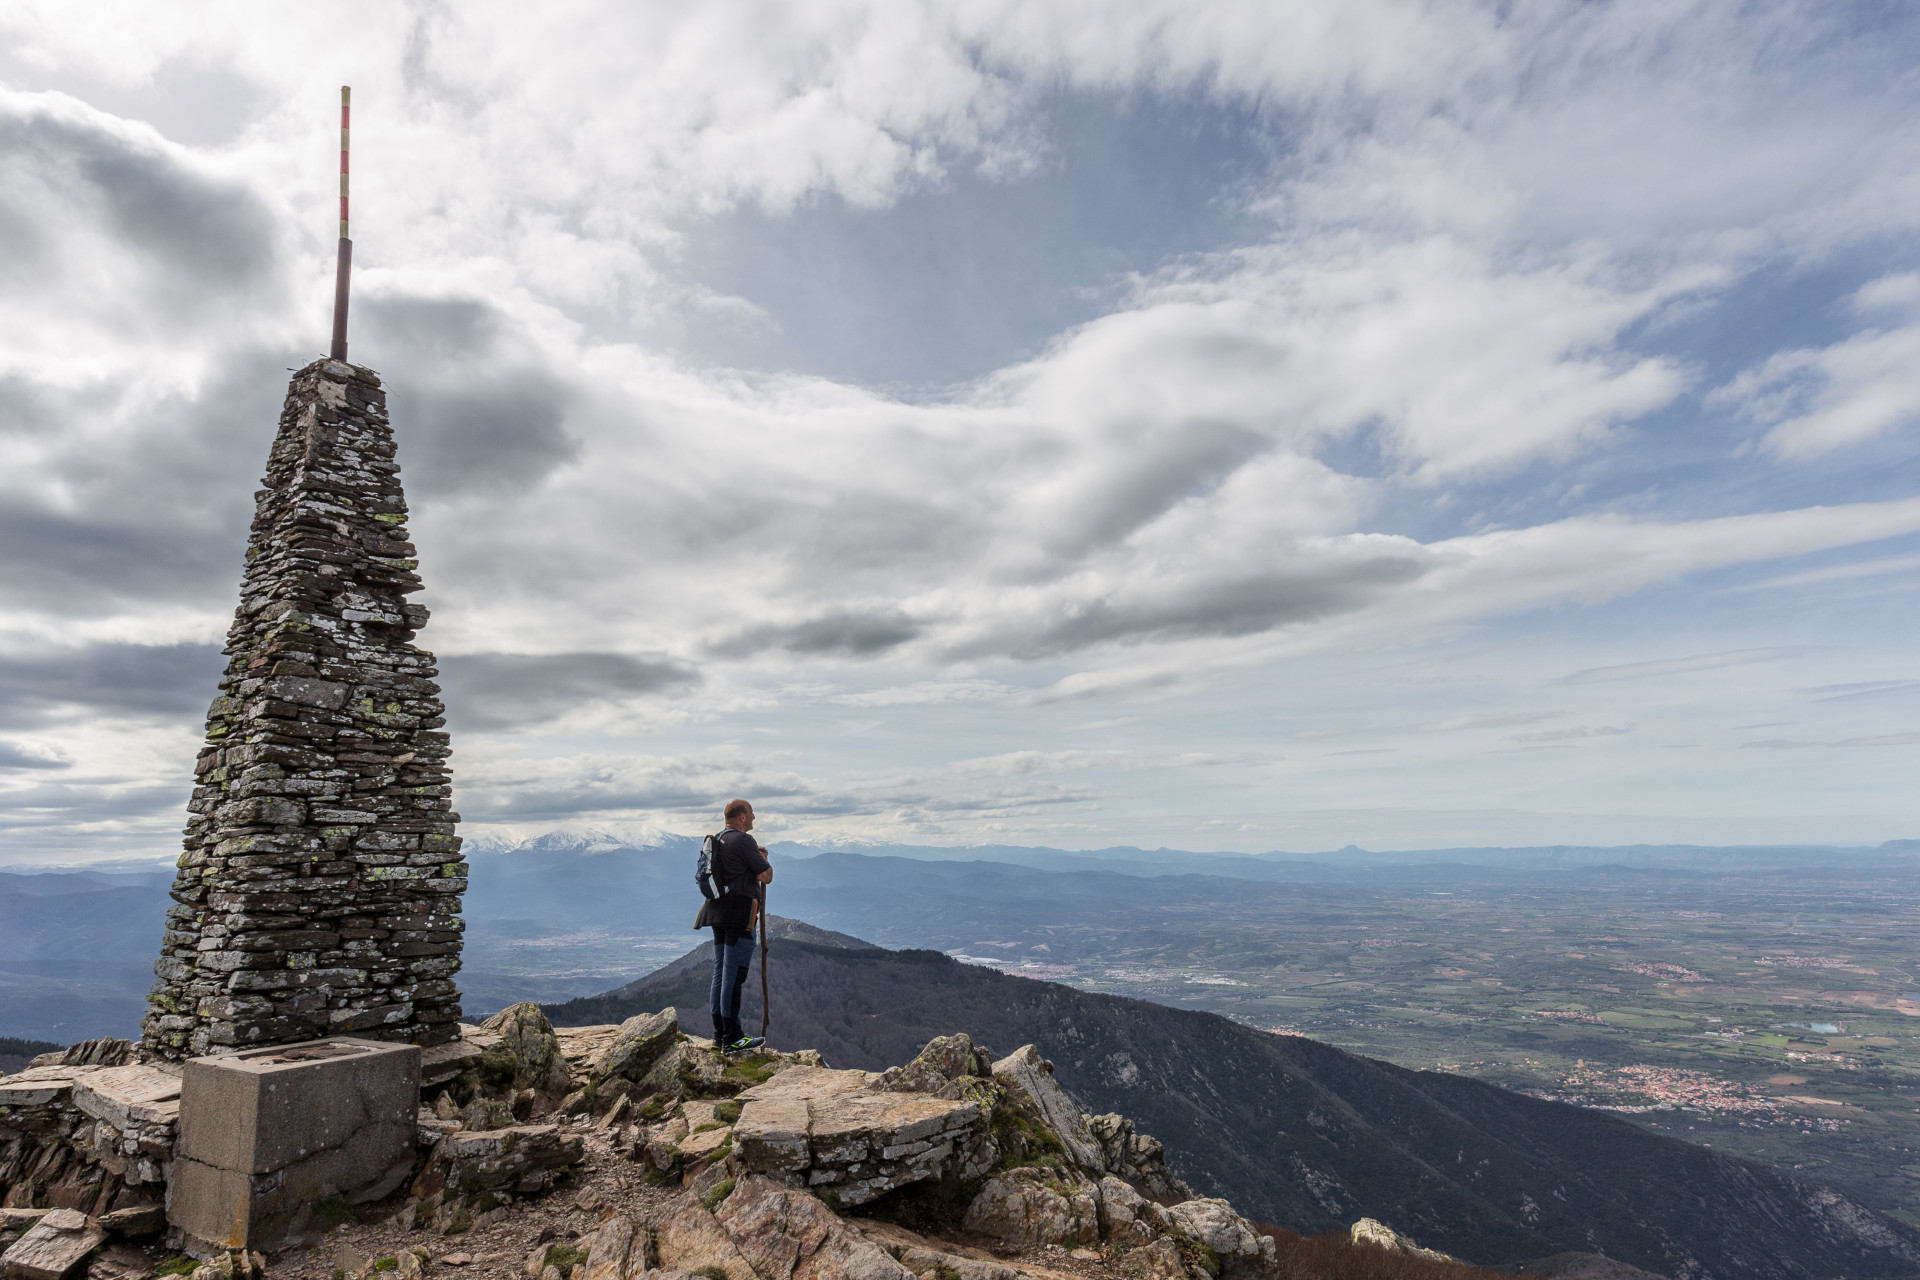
(15, 756)
(55, 804)
(508, 690)
(199, 241)
(159, 515)
(1198, 609)
(167, 682)
(844, 634)
(469, 414)
(1152, 472)
(88, 562)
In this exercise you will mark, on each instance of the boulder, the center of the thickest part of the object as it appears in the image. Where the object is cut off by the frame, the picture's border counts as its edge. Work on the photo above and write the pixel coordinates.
(944, 1060)
(923, 1261)
(607, 1252)
(789, 1235)
(1025, 1074)
(53, 1247)
(1231, 1237)
(527, 1037)
(1136, 1157)
(235, 1264)
(1161, 1260)
(1371, 1231)
(692, 1240)
(687, 1070)
(523, 1159)
(136, 1220)
(1026, 1207)
(1126, 1216)
(637, 1046)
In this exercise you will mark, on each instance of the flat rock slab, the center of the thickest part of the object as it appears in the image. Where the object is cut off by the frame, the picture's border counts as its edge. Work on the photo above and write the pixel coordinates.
(442, 1062)
(38, 1086)
(704, 1143)
(55, 1246)
(581, 1045)
(831, 1129)
(521, 1158)
(810, 1083)
(126, 1096)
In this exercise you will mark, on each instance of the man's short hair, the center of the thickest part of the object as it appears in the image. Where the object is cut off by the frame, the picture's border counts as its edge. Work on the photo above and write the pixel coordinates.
(736, 809)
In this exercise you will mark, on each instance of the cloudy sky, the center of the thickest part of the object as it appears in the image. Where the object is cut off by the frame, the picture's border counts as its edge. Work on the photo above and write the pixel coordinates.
(1232, 425)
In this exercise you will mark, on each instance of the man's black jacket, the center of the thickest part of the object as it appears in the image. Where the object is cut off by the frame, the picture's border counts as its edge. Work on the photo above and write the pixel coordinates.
(737, 861)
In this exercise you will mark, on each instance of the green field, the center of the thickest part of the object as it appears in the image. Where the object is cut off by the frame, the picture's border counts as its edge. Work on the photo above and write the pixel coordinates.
(1774, 1016)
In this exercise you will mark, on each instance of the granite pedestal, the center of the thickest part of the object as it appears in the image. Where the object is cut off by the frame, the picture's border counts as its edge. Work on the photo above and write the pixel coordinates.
(267, 1134)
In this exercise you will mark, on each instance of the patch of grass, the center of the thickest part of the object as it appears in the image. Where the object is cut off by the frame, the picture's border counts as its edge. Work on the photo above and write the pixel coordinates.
(386, 1264)
(1024, 1140)
(713, 1198)
(708, 1126)
(334, 1211)
(1195, 1252)
(178, 1265)
(652, 1108)
(727, 1111)
(461, 1222)
(713, 1273)
(750, 1069)
(941, 1271)
(566, 1257)
(486, 1201)
(423, 1214)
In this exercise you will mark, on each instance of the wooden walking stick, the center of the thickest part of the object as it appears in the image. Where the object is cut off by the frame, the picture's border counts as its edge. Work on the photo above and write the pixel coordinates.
(763, 963)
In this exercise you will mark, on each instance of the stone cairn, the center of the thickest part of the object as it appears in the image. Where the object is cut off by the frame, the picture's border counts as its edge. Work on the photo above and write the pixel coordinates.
(319, 893)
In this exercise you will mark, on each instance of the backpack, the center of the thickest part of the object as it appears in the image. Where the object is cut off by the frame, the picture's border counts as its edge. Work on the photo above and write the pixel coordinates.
(703, 869)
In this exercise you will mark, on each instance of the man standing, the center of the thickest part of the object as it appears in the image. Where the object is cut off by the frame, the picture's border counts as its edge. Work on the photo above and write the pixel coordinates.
(739, 869)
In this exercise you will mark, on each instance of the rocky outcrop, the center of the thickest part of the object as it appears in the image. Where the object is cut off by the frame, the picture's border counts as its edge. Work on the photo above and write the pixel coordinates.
(640, 1042)
(1026, 1074)
(87, 1138)
(1029, 1207)
(319, 888)
(1379, 1235)
(786, 1234)
(521, 1034)
(1136, 1157)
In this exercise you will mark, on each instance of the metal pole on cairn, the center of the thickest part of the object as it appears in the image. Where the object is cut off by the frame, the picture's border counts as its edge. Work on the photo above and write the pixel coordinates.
(344, 269)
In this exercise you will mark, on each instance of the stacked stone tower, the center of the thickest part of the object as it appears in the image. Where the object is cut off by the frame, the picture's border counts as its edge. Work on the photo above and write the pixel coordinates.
(319, 893)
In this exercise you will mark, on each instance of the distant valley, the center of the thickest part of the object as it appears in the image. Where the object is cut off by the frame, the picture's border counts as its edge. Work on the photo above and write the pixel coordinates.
(1758, 1000)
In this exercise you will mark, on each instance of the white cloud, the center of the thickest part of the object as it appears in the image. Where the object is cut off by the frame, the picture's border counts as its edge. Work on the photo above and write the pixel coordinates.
(1814, 401)
(1445, 308)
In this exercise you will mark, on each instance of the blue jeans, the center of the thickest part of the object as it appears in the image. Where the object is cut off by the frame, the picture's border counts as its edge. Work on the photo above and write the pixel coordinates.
(731, 960)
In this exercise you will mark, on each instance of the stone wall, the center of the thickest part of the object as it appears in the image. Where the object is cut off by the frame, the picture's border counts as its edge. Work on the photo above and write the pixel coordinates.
(319, 892)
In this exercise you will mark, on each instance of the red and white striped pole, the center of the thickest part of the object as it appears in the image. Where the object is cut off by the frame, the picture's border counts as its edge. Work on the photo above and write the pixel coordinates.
(343, 271)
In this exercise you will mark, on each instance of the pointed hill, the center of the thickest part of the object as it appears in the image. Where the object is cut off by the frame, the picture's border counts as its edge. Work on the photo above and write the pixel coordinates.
(1310, 1137)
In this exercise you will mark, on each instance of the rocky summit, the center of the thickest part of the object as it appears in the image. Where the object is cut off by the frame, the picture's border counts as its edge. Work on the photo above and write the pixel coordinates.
(1298, 1132)
(637, 1152)
(318, 890)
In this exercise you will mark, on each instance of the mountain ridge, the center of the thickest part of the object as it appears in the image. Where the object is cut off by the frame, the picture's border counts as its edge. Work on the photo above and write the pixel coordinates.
(1311, 1137)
